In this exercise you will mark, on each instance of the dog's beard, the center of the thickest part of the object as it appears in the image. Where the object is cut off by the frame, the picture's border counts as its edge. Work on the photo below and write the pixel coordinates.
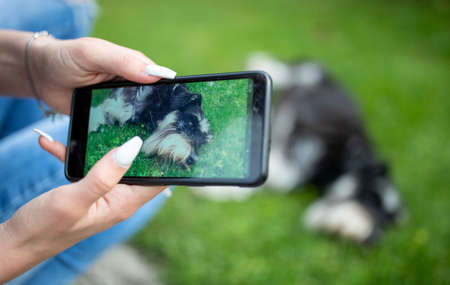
(204, 128)
(167, 142)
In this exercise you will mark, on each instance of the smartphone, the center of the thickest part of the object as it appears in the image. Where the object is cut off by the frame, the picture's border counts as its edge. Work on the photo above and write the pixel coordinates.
(197, 130)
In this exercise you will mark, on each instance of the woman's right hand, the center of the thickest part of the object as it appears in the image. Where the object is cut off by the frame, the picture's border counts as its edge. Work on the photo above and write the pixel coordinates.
(63, 216)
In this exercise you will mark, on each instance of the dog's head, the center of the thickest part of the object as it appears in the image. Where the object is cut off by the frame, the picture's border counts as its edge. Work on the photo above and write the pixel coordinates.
(185, 123)
(191, 121)
(181, 98)
(178, 138)
(193, 124)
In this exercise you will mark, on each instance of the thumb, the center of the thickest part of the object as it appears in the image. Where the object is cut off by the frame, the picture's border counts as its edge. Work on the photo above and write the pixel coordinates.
(108, 171)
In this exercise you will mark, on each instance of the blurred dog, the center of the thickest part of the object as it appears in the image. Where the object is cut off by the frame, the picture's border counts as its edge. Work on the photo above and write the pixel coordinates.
(318, 138)
(171, 114)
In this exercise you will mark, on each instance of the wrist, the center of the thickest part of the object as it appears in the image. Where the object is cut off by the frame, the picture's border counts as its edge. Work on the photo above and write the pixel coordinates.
(14, 259)
(39, 51)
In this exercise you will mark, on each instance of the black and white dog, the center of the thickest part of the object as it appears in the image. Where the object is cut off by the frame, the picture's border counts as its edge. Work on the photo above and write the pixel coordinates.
(172, 115)
(319, 138)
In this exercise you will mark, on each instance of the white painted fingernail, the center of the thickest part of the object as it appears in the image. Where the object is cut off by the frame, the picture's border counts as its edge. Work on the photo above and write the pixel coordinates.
(160, 71)
(167, 192)
(127, 152)
(47, 136)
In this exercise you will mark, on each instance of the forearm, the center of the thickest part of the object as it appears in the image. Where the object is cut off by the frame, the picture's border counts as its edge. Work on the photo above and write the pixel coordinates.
(13, 74)
(14, 259)
(21, 250)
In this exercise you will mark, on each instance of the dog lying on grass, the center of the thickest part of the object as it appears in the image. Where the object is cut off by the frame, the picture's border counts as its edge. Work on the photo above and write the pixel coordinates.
(172, 115)
(319, 139)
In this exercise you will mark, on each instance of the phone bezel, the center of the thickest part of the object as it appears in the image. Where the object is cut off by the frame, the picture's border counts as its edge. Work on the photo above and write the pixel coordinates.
(260, 136)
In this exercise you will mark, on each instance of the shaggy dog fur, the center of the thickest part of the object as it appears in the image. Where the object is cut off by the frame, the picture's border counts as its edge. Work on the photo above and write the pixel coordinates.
(172, 115)
(319, 139)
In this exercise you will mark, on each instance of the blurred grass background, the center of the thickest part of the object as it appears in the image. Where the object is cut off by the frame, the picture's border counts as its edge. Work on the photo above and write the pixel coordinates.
(393, 55)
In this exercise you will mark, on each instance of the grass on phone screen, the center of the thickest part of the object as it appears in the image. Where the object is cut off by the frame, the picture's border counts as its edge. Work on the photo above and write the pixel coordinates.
(224, 104)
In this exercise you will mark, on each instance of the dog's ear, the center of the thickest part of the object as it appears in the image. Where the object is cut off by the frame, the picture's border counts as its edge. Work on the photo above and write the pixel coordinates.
(181, 97)
(178, 89)
(196, 99)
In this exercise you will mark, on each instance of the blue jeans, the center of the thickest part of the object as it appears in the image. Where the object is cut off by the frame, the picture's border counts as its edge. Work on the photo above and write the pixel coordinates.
(63, 19)
(28, 171)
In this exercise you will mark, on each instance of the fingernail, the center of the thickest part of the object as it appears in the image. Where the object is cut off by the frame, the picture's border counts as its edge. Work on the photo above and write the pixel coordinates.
(167, 192)
(47, 136)
(127, 152)
(160, 71)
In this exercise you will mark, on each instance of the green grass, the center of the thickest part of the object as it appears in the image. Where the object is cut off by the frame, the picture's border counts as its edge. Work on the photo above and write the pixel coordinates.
(393, 55)
(224, 104)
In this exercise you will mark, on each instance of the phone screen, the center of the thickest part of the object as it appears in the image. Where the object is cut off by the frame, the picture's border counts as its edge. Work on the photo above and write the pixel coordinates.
(193, 129)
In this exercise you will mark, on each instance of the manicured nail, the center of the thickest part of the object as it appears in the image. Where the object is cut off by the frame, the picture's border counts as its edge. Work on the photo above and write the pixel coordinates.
(47, 136)
(167, 192)
(160, 71)
(127, 152)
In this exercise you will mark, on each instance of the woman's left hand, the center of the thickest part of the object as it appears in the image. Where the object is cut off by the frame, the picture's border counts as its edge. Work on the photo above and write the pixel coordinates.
(59, 66)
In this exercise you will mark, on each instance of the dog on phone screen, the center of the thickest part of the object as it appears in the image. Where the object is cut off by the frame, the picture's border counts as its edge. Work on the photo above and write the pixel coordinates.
(319, 139)
(170, 112)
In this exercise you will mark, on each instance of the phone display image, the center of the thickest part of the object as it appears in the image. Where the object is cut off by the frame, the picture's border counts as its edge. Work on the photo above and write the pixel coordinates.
(194, 129)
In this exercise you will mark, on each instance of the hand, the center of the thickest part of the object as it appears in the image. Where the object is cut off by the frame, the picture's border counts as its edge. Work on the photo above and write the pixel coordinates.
(68, 214)
(59, 66)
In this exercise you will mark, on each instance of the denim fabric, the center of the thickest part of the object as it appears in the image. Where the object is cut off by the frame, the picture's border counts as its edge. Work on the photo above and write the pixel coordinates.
(62, 18)
(28, 171)
(11, 120)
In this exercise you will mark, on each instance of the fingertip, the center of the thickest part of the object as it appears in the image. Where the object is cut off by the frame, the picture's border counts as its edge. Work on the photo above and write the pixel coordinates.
(43, 142)
(43, 134)
(108, 171)
(160, 71)
(127, 152)
(152, 79)
(147, 79)
(137, 72)
(55, 148)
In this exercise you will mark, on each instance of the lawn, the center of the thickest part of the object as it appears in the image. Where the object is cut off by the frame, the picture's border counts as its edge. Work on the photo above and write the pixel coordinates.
(393, 55)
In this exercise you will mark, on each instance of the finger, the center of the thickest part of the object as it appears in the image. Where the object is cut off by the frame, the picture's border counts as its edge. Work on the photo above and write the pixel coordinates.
(117, 60)
(140, 55)
(143, 194)
(124, 200)
(108, 171)
(55, 148)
